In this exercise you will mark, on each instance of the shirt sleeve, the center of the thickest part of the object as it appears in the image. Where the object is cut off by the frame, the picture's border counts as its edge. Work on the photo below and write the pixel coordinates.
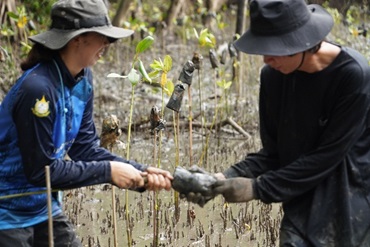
(37, 148)
(343, 129)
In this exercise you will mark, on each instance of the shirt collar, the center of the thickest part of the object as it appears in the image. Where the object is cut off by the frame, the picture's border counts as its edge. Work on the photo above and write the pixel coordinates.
(67, 77)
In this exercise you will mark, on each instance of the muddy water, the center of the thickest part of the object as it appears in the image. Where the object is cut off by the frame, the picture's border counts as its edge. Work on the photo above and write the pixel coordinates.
(217, 224)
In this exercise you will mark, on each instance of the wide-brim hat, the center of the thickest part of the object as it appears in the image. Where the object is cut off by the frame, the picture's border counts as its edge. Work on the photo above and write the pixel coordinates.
(284, 27)
(71, 18)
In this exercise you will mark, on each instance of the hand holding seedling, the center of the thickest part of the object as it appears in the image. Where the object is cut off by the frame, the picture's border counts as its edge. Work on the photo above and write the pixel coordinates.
(126, 176)
(157, 179)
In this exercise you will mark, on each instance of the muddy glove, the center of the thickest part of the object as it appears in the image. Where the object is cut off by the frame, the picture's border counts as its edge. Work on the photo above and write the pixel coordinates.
(197, 169)
(235, 189)
(194, 184)
(197, 198)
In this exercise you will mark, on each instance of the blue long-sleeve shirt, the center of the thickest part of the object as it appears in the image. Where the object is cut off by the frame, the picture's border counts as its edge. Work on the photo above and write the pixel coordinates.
(46, 115)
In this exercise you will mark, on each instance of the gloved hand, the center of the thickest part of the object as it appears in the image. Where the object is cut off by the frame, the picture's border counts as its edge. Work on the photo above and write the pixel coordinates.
(237, 189)
(196, 197)
(197, 169)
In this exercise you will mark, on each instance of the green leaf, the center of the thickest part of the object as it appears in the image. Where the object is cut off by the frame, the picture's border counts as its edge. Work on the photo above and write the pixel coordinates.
(115, 75)
(196, 33)
(203, 32)
(133, 77)
(26, 46)
(166, 91)
(153, 74)
(224, 84)
(157, 65)
(228, 84)
(167, 62)
(144, 44)
(207, 39)
(169, 87)
(143, 72)
(7, 32)
(13, 15)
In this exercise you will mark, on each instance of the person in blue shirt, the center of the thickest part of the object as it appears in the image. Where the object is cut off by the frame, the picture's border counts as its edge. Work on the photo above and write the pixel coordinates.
(47, 115)
(314, 112)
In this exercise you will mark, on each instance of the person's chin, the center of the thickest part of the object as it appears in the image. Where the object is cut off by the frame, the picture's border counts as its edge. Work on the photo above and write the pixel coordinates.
(94, 61)
(283, 71)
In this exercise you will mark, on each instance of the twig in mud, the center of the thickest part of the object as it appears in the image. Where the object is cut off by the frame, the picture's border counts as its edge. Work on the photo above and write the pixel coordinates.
(50, 216)
(184, 124)
(238, 128)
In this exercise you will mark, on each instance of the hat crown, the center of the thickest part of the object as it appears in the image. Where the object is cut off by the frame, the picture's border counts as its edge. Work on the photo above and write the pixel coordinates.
(277, 17)
(76, 14)
(71, 18)
(284, 27)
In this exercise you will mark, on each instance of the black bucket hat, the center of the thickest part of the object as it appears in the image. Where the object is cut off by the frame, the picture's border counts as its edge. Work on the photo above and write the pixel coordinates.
(284, 27)
(74, 17)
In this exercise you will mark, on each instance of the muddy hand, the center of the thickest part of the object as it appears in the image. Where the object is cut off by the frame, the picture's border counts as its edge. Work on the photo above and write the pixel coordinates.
(235, 189)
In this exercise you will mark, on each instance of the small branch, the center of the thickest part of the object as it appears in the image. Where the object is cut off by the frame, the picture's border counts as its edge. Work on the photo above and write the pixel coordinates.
(50, 210)
(238, 128)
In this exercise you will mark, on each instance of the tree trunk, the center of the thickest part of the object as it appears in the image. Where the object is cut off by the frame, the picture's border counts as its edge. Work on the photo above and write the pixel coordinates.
(212, 6)
(240, 17)
(173, 12)
(5, 7)
(121, 12)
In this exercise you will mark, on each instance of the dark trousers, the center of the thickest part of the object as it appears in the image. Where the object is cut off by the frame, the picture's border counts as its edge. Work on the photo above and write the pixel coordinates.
(37, 235)
(289, 238)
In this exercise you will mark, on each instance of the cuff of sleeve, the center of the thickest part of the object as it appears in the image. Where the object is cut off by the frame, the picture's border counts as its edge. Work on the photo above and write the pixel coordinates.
(233, 172)
(138, 166)
(254, 189)
(108, 173)
(230, 173)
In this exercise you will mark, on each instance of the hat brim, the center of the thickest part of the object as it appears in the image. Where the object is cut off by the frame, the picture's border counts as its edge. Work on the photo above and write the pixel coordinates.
(56, 39)
(306, 37)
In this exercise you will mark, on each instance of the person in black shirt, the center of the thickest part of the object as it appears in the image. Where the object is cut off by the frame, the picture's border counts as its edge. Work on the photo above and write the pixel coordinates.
(314, 110)
(48, 114)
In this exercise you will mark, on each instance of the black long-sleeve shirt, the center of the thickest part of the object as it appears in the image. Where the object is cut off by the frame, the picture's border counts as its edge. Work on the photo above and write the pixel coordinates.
(315, 132)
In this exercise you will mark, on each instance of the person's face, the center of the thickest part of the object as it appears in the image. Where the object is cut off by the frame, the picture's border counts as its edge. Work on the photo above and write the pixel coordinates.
(92, 48)
(284, 64)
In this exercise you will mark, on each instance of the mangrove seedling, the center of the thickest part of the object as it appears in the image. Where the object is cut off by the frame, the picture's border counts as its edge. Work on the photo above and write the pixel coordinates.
(134, 77)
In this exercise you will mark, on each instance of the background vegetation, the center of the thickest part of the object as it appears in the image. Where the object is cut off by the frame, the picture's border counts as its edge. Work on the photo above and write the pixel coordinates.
(221, 98)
